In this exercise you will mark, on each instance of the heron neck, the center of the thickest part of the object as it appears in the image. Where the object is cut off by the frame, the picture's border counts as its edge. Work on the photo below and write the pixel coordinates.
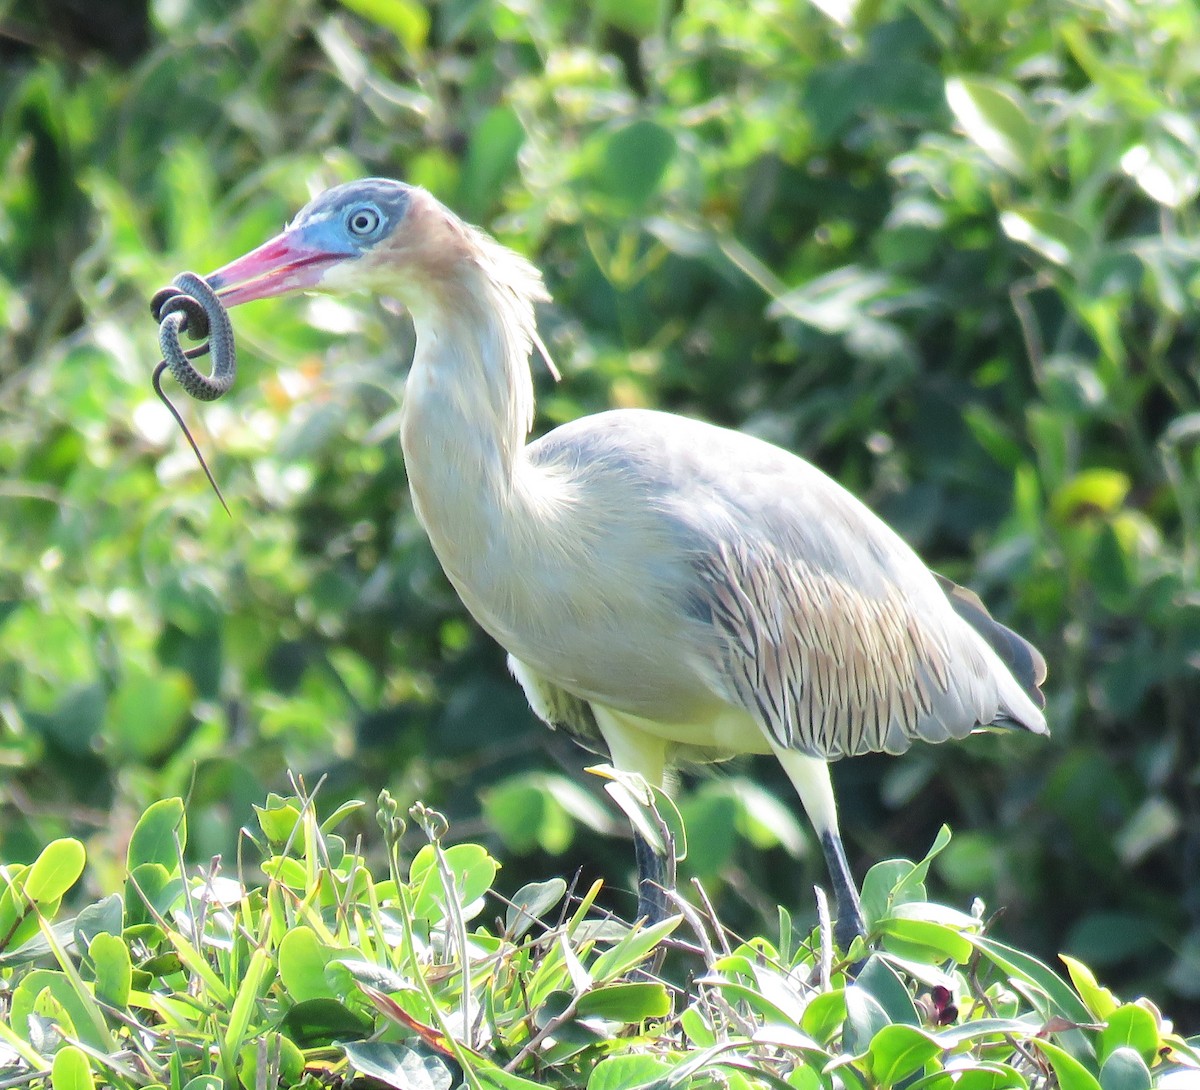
(468, 409)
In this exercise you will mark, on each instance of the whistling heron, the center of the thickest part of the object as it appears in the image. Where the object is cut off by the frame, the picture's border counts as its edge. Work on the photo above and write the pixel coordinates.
(668, 589)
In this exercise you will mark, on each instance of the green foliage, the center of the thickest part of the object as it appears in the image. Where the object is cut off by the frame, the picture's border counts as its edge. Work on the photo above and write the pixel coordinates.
(324, 969)
(947, 252)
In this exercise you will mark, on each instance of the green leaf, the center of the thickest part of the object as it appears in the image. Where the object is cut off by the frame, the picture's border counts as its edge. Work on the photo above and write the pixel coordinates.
(105, 916)
(17, 920)
(1124, 1069)
(924, 940)
(491, 160)
(345, 810)
(55, 871)
(990, 1076)
(148, 887)
(640, 18)
(881, 882)
(1164, 165)
(473, 869)
(631, 950)
(302, 958)
(499, 1079)
(995, 118)
(114, 969)
(626, 1002)
(159, 836)
(634, 160)
(823, 1017)
(806, 1078)
(628, 1073)
(280, 1054)
(245, 1000)
(1071, 1074)
(316, 1023)
(526, 815)
(287, 871)
(400, 1066)
(530, 903)
(884, 984)
(765, 1008)
(148, 712)
(371, 973)
(1065, 1002)
(407, 19)
(865, 1017)
(898, 1050)
(1057, 237)
(277, 820)
(1091, 491)
(71, 1070)
(979, 1029)
(77, 1007)
(1130, 1026)
(41, 943)
(1100, 1001)
(697, 1026)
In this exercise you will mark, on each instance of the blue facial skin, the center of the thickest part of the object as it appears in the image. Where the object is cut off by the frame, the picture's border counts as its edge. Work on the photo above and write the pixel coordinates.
(349, 219)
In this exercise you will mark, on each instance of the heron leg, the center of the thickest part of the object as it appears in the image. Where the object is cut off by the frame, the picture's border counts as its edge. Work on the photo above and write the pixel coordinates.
(655, 876)
(810, 777)
(634, 750)
(849, 923)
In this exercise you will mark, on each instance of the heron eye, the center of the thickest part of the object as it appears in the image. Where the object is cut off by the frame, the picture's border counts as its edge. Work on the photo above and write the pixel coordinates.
(364, 221)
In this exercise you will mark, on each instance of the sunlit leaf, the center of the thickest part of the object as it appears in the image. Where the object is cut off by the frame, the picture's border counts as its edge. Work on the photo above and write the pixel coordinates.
(628, 1073)
(865, 1017)
(72, 1070)
(626, 1002)
(159, 836)
(56, 869)
(1071, 1074)
(302, 958)
(995, 118)
(1130, 1026)
(407, 19)
(114, 969)
(1058, 238)
(897, 1051)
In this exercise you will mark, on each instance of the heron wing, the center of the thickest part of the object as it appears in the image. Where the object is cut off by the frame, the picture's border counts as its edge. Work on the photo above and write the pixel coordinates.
(793, 600)
(834, 671)
(826, 626)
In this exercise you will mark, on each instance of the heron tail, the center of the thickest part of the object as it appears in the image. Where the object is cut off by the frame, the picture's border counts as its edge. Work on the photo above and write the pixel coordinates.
(1024, 661)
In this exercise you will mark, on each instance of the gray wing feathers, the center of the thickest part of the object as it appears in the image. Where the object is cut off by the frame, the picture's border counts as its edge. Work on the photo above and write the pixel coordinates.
(833, 671)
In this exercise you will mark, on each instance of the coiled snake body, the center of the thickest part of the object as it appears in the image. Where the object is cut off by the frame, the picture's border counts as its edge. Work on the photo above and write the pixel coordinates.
(190, 305)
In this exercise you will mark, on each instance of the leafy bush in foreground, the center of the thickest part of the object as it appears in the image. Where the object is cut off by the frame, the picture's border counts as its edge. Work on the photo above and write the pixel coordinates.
(946, 251)
(317, 970)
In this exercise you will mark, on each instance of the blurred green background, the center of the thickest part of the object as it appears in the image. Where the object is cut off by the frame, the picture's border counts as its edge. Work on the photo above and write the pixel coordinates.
(948, 252)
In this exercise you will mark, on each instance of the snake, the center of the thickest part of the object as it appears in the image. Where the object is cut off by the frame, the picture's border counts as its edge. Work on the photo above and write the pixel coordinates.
(190, 305)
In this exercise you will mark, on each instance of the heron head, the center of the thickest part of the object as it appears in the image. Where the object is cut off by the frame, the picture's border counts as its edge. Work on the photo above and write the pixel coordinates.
(349, 237)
